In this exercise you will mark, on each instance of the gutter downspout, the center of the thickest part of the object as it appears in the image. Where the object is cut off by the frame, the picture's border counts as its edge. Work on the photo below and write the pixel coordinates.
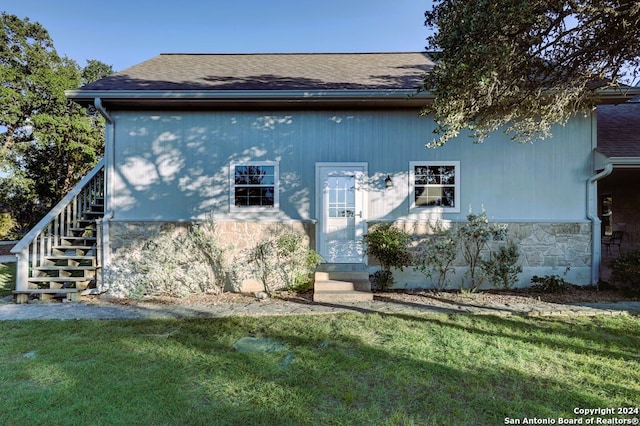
(592, 214)
(109, 156)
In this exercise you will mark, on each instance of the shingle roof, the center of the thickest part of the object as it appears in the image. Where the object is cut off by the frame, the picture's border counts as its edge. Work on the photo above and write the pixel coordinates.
(619, 130)
(295, 71)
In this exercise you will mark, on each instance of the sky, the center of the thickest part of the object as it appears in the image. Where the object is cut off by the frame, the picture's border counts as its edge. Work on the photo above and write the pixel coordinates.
(122, 33)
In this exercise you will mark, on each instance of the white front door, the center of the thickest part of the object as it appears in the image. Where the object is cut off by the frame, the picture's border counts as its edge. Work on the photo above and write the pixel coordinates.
(341, 211)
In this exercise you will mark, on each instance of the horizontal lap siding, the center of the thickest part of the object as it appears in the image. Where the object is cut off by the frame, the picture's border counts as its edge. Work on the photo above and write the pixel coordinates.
(174, 166)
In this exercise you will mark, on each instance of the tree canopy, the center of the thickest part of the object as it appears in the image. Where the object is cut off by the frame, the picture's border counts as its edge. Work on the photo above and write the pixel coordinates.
(522, 66)
(47, 143)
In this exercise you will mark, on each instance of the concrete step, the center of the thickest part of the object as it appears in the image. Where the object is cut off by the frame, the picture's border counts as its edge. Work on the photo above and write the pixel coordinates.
(340, 284)
(341, 275)
(341, 267)
(342, 296)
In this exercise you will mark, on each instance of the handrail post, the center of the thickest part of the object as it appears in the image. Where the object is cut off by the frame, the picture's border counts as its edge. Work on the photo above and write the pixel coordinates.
(22, 269)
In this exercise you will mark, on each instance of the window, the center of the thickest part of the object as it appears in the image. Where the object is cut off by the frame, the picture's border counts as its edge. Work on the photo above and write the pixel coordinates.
(254, 186)
(435, 185)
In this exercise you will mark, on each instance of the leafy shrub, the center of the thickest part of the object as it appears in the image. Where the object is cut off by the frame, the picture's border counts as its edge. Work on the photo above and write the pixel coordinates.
(383, 279)
(501, 269)
(474, 236)
(549, 284)
(437, 257)
(390, 245)
(7, 224)
(625, 271)
(283, 261)
(175, 263)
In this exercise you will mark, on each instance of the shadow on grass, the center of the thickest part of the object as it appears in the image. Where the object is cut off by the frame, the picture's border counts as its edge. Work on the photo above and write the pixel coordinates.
(550, 330)
(345, 369)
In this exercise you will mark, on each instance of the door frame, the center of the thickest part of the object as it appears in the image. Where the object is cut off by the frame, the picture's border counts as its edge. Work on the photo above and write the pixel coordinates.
(319, 200)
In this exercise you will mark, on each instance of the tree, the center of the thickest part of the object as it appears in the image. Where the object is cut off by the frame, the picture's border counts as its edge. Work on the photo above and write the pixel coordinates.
(525, 65)
(47, 143)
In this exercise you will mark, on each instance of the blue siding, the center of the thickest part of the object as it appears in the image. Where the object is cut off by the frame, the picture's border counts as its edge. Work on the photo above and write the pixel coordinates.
(174, 165)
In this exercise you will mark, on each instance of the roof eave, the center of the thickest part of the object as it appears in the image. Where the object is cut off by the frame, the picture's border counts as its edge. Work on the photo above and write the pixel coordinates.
(617, 95)
(213, 97)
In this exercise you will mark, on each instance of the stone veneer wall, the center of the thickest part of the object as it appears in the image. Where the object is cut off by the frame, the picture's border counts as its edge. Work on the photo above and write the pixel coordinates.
(546, 248)
(562, 249)
(235, 236)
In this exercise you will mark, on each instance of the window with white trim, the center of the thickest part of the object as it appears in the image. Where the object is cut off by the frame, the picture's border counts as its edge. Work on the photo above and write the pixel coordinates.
(254, 186)
(435, 185)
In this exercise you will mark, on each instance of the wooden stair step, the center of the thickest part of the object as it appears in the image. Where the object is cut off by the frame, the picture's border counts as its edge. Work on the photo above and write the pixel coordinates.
(71, 294)
(58, 279)
(91, 215)
(69, 256)
(68, 272)
(73, 247)
(73, 241)
(83, 231)
(64, 268)
(78, 237)
(86, 223)
(69, 261)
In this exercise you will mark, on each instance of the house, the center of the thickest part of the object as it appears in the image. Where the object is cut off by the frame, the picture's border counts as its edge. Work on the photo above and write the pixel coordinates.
(328, 144)
(617, 159)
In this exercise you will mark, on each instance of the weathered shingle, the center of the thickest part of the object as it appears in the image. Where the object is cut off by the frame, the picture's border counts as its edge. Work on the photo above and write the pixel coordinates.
(619, 130)
(296, 71)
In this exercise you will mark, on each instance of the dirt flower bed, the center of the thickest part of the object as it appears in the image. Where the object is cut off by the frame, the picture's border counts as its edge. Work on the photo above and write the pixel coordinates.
(427, 297)
(572, 295)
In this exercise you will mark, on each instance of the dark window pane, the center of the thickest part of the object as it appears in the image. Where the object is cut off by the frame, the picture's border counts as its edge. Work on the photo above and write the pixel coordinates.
(255, 201)
(254, 185)
(267, 197)
(241, 197)
(448, 197)
(449, 175)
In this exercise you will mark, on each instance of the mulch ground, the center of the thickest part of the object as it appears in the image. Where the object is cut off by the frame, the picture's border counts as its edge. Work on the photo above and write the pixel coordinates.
(426, 297)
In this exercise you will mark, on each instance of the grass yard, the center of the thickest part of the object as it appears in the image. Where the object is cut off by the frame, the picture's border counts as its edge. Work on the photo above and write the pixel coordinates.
(350, 369)
(7, 278)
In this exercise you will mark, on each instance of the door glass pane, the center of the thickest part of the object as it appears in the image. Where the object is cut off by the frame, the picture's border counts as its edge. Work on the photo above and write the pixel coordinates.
(341, 209)
(342, 197)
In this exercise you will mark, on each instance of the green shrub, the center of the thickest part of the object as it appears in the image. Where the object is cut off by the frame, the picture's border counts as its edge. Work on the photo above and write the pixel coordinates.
(383, 279)
(7, 224)
(501, 269)
(437, 257)
(549, 284)
(282, 261)
(390, 245)
(625, 271)
(474, 236)
(177, 262)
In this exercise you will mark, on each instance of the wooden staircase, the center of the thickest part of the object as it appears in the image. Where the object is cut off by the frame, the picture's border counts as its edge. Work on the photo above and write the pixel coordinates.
(60, 257)
(342, 283)
(73, 263)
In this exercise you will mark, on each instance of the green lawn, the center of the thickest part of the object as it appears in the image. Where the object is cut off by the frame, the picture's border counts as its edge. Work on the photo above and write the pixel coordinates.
(7, 278)
(350, 369)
